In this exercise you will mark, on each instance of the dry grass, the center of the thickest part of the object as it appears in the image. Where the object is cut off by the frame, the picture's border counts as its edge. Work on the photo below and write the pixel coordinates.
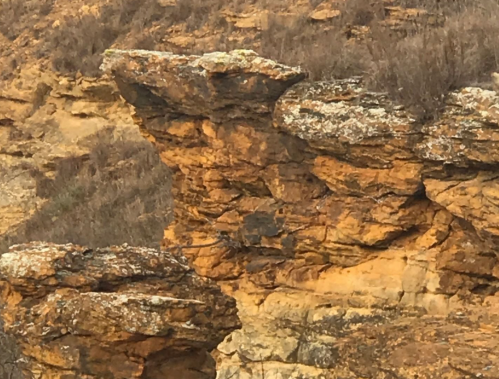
(78, 44)
(417, 66)
(325, 54)
(420, 69)
(16, 14)
(119, 194)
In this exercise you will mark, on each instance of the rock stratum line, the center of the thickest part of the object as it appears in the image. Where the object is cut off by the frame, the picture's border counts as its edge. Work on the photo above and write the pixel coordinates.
(367, 241)
(119, 312)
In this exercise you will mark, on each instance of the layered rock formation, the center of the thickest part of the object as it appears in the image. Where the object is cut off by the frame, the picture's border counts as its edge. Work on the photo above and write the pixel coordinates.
(119, 312)
(357, 242)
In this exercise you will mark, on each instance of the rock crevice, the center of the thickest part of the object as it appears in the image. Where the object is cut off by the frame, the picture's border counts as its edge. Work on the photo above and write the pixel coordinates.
(364, 244)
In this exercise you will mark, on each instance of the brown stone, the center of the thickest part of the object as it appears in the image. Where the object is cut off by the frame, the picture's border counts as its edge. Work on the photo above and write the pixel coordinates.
(402, 178)
(356, 241)
(119, 312)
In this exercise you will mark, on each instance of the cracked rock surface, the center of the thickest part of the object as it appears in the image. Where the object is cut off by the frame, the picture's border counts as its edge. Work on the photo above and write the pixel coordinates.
(362, 243)
(119, 312)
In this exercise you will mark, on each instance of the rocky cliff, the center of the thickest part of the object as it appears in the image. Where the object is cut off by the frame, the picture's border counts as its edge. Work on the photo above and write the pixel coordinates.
(119, 312)
(358, 242)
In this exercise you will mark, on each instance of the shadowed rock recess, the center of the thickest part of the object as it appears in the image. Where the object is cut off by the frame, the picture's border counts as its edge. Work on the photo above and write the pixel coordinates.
(362, 244)
(120, 312)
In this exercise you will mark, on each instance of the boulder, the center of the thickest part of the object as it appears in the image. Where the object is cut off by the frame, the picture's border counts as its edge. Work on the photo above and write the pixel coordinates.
(118, 312)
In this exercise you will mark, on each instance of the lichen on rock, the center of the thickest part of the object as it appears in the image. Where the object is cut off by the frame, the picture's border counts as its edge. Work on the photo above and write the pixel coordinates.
(215, 85)
(118, 312)
(358, 242)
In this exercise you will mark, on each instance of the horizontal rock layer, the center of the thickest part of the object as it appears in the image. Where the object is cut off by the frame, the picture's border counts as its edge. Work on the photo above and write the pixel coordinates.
(356, 241)
(118, 312)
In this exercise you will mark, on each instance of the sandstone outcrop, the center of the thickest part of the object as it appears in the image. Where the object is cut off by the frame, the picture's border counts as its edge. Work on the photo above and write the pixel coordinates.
(118, 312)
(357, 242)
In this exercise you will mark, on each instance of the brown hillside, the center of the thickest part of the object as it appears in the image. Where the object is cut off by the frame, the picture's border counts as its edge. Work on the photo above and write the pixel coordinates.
(416, 50)
(351, 222)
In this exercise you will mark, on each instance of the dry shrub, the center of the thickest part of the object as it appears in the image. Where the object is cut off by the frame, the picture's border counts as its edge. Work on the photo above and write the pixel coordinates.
(77, 46)
(78, 43)
(120, 193)
(416, 67)
(422, 68)
(360, 12)
(325, 51)
(196, 13)
(315, 3)
(17, 15)
(446, 8)
(324, 54)
(193, 13)
(10, 11)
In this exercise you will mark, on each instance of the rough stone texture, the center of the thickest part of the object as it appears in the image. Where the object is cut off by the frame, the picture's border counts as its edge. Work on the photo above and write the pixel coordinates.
(357, 242)
(221, 84)
(118, 312)
(44, 118)
(466, 135)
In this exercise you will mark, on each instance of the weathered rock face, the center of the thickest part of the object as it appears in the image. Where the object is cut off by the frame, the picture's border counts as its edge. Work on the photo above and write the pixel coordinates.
(220, 84)
(118, 312)
(358, 243)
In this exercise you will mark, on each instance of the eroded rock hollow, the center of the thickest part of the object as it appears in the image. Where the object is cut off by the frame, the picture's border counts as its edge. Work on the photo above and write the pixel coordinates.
(358, 242)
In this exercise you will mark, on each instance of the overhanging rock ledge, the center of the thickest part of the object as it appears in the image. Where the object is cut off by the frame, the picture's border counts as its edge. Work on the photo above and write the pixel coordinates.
(362, 243)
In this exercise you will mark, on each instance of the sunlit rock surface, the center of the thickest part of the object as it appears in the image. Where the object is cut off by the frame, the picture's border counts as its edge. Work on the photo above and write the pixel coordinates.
(119, 312)
(358, 243)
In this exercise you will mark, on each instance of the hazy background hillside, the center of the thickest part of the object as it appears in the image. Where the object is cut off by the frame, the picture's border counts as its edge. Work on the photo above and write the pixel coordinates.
(415, 49)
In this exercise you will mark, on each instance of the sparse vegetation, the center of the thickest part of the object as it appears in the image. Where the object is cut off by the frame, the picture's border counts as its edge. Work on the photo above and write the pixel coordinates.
(77, 44)
(416, 64)
(420, 69)
(325, 54)
(15, 14)
(119, 194)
